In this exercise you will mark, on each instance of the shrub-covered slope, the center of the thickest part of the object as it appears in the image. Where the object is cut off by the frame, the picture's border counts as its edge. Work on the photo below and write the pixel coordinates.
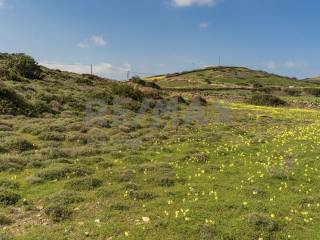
(78, 163)
(24, 86)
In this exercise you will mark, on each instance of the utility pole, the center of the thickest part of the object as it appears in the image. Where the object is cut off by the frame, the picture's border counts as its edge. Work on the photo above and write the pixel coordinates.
(219, 60)
(91, 69)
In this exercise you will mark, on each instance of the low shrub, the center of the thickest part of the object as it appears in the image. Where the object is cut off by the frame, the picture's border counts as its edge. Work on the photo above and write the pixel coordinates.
(52, 136)
(138, 80)
(166, 181)
(97, 135)
(33, 180)
(64, 197)
(59, 173)
(9, 164)
(8, 197)
(4, 220)
(261, 222)
(18, 144)
(119, 207)
(53, 153)
(82, 184)
(4, 127)
(266, 100)
(126, 176)
(131, 186)
(58, 212)
(7, 184)
(313, 91)
(292, 91)
(105, 192)
(139, 195)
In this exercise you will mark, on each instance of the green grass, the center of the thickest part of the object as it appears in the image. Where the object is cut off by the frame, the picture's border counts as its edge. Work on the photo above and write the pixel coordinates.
(225, 171)
(225, 77)
(254, 177)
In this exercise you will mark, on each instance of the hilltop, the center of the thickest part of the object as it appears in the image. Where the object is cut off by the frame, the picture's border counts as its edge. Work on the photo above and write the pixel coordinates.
(226, 77)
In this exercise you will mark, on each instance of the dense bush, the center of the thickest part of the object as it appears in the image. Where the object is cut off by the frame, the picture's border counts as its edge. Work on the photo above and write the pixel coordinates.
(138, 195)
(87, 183)
(266, 100)
(11, 164)
(13, 104)
(313, 91)
(21, 65)
(18, 144)
(8, 197)
(124, 90)
(58, 173)
(52, 136)
(126, 176)
(292, 91)
(261, 222)
(58, 212)
(138, 80)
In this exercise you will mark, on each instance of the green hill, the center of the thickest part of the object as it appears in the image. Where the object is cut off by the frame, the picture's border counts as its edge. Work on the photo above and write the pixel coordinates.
(53, 91)
(230, 77)
(88, 158)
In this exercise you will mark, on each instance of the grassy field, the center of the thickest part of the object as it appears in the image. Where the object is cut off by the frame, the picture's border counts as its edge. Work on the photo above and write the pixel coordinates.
(255, 177)
(91, 167)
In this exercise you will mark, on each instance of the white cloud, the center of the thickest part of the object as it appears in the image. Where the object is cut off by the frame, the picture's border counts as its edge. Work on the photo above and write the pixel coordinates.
(188, 3)
(204, 25)
(98, 41)
(83, 45)
(101, 69)
(271, 65)
(95, 40)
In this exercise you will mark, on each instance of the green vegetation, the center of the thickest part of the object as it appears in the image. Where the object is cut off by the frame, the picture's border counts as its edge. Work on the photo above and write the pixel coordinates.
(21, 66)
(225, 77)
(160, 164)
(266, 100)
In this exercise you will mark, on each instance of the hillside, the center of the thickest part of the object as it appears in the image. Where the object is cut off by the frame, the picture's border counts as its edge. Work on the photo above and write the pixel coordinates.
(225, 77)
(313, 79)
(88, 158)
(54, 91)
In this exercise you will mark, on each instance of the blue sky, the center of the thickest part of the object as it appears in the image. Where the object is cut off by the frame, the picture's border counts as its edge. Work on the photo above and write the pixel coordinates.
(159, 36)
